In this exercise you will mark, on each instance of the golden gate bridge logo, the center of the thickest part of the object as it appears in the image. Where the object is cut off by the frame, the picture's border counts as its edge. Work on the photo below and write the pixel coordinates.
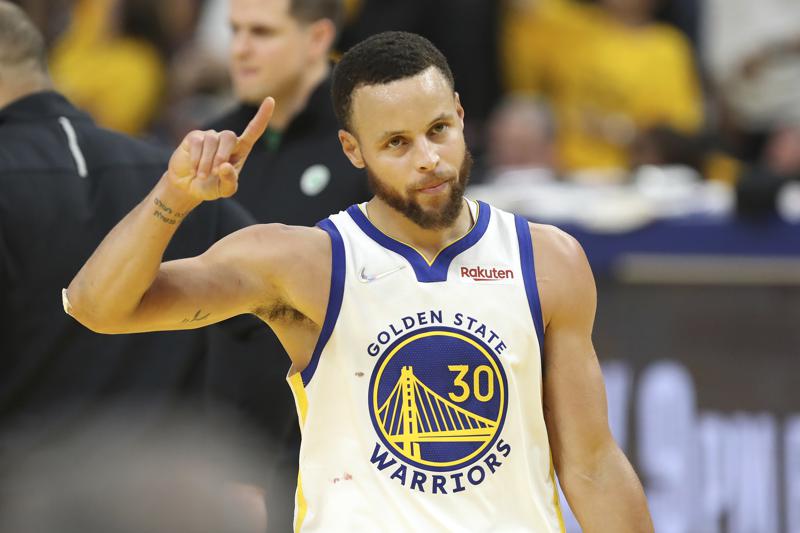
(438, 428)
(415, 414)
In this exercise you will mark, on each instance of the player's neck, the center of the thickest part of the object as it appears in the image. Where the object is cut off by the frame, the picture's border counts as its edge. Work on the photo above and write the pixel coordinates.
(429, 242)
(292, 103)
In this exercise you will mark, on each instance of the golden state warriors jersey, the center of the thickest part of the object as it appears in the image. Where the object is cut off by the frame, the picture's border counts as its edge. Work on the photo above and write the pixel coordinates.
(421, 408)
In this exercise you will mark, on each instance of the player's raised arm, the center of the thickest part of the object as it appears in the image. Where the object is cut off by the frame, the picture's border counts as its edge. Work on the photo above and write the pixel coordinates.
(601, 486)
(124, 287)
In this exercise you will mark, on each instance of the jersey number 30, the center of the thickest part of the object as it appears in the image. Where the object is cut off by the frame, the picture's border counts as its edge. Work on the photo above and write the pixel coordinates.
(459, 382)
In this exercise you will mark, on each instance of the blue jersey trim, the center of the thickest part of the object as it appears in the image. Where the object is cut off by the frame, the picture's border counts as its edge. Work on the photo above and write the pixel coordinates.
(335, 296)
(426, 273)
(529, 277)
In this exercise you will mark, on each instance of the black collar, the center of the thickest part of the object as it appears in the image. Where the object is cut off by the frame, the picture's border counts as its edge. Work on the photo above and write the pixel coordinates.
(40, 105)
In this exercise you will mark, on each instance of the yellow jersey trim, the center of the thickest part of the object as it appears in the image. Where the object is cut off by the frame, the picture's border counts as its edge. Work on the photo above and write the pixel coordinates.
(556, 500)
(301, 399)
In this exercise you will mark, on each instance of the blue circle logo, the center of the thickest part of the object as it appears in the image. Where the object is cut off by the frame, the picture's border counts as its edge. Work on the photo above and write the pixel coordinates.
(438, 398)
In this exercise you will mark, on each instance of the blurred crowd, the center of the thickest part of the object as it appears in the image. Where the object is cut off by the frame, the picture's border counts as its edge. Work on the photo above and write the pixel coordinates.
(574, 89)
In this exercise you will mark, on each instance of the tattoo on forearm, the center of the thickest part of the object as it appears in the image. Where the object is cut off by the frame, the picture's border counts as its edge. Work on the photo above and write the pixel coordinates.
(165, 213)
(198, 317)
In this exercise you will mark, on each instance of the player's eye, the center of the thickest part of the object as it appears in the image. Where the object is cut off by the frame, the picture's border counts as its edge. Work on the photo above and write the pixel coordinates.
(439, 128)
(395, 142)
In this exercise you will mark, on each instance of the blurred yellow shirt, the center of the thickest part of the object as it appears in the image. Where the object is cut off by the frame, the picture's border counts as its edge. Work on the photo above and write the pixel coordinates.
(120, 81)
(605, 80)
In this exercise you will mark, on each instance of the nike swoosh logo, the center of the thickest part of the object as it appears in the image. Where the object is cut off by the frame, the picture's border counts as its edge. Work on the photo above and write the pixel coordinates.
(363, 277)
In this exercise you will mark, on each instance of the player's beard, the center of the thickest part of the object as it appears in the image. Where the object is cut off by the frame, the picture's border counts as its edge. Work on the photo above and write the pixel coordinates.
(411, 209)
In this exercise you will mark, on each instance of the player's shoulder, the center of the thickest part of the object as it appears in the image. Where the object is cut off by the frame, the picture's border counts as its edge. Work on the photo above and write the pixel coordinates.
(555, 242)
(563, 274)
(281, 241)
(559, 257)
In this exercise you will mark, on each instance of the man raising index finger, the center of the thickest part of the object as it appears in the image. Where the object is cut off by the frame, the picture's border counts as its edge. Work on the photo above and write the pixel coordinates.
(441, 348)
(206, 165)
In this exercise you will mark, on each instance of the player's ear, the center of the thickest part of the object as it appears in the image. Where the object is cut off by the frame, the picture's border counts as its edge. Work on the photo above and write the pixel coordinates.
(459, 109)
(351, 149)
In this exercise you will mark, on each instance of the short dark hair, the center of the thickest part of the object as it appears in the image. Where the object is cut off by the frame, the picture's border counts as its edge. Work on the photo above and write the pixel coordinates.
(381, 59)
(313, 10)
(20, 41)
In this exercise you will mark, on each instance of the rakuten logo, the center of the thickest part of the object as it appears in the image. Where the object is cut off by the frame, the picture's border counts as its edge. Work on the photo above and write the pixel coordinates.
(486, 273)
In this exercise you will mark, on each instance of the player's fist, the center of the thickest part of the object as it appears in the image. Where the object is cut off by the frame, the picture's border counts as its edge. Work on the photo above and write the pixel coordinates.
(206, 165)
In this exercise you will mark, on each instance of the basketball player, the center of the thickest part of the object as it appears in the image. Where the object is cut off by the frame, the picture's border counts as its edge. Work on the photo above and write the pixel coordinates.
(441, 348)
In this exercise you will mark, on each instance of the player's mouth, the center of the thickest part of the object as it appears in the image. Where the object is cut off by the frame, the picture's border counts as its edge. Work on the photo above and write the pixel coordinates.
(434, 187)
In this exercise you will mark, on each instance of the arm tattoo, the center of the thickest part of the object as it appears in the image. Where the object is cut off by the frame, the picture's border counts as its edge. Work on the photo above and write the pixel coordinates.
(165, 213)
(198, 317)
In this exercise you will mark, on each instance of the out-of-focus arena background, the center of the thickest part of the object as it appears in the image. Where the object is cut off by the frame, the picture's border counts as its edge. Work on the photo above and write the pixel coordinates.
(663, 134)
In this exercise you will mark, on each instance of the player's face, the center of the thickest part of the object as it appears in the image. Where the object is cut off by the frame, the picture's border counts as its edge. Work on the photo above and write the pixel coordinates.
(269, 49)
(409, 135)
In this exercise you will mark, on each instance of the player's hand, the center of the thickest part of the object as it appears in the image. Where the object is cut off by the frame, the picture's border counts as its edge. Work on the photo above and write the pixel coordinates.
(206, 165)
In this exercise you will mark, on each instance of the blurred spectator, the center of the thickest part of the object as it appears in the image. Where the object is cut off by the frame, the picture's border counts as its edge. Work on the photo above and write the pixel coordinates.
(609, 70)
(465, 31)
(296, 175)
(782, 154)
(754, 68)
(280, 48)
(521, 141)
(198, 86)
(50, 16)
(665, 146)
(760, 186)
(183, 477)
(661, 146)
(64, 183)
(111, 61)
(684, 15)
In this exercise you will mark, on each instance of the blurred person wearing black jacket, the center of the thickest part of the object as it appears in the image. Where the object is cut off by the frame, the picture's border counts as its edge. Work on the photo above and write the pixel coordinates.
(296, 175)
(64, 183)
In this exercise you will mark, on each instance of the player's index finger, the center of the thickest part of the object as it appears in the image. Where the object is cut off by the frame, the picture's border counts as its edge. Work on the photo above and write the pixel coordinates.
(255, 129)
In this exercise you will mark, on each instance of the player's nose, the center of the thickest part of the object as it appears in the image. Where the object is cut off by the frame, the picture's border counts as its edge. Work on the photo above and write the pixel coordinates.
(426, 156)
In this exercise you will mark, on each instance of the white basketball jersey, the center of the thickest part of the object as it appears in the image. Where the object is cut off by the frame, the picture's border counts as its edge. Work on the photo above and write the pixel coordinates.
(421, 408)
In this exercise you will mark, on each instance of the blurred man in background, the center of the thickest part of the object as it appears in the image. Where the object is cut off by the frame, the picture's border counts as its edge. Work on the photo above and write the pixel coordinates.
(521, 142)
(753, 70)
(64, 183)
(295, 175)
